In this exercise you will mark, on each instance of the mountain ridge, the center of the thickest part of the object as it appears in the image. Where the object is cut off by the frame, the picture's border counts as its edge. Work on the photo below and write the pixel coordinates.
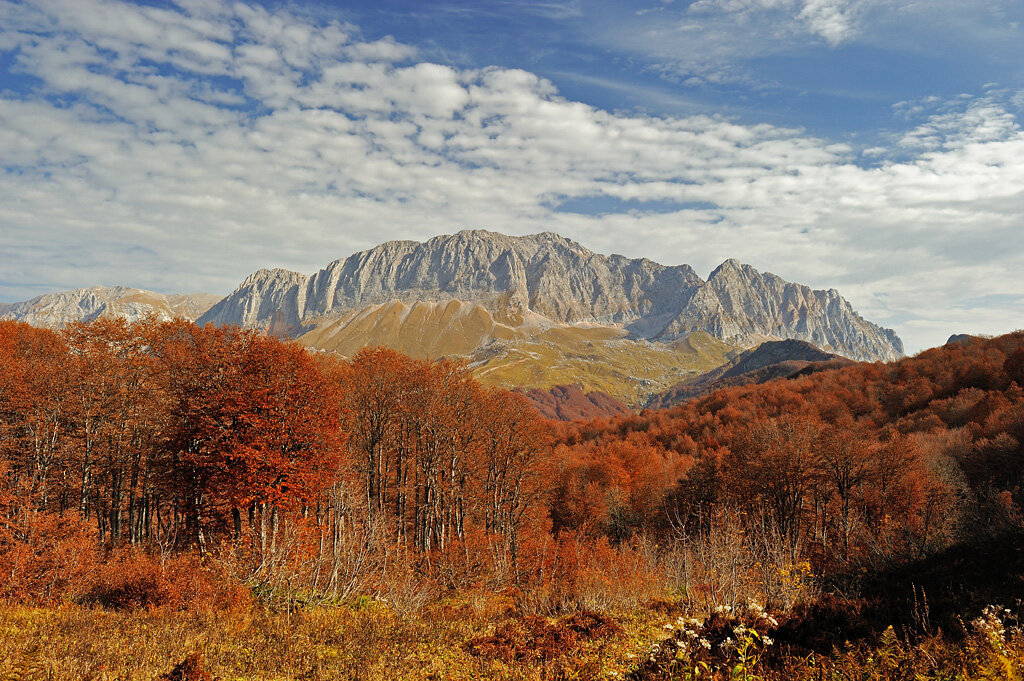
(563, 282)
(56, 310)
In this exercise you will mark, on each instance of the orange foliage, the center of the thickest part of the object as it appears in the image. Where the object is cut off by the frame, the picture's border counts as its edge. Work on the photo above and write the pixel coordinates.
(47, 558)
(135, 579)
(316, 475)
(868, 462)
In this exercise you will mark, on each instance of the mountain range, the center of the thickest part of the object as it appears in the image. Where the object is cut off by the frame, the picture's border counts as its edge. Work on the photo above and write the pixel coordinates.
(529, 311)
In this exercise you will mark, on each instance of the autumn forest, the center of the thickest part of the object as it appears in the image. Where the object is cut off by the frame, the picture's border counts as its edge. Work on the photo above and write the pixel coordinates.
(156, 468)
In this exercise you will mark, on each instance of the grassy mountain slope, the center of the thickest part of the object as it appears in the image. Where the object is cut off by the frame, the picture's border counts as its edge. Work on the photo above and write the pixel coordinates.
(598, 358)
(510, 350)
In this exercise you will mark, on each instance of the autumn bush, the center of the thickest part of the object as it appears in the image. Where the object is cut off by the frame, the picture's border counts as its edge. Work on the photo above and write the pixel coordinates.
(536, 638)
(134, 578)
(46, 558)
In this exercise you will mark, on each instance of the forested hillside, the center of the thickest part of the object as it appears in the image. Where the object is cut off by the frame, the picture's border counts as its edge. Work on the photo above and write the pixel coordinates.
(173, 468)
(869, 463)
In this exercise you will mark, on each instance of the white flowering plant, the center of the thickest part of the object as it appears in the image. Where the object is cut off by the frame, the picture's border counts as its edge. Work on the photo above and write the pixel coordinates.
(728, 644)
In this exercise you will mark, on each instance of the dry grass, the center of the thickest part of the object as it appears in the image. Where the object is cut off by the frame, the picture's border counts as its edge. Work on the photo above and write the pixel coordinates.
(504, 352)
(598, 358)
(467, 637)
(75, 642)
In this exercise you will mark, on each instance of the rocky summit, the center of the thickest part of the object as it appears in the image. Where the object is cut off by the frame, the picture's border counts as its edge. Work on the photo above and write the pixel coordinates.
(544, 279)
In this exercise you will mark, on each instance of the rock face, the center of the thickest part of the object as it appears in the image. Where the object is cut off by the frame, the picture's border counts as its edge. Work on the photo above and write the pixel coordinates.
(542, 273)
(271, 300)
(545, 278)
(739, 303)
(56, 310)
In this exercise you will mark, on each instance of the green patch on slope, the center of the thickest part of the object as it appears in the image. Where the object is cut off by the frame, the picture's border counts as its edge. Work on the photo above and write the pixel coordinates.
(598, 358)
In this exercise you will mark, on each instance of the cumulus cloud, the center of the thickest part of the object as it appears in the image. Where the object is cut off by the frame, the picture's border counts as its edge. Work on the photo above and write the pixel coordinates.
(833, 20)
(180, 149)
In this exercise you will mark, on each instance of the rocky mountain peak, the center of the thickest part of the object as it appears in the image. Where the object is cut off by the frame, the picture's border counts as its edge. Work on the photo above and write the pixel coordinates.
(552, 277)
(275, 276)
(728, 267)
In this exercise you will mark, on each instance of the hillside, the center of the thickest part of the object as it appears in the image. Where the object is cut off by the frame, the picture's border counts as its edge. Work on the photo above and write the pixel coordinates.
(950, 421)
(767, 362)
(597, 358)
(570, 403)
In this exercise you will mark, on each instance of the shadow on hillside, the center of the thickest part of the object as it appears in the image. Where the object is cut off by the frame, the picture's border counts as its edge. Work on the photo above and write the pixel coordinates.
(938, 593)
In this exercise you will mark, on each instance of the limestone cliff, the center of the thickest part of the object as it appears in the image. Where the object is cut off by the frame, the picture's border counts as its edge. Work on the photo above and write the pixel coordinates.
(546, 278)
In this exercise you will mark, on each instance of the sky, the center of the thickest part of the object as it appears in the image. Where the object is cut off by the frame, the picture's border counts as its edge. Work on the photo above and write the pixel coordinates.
(872, 146)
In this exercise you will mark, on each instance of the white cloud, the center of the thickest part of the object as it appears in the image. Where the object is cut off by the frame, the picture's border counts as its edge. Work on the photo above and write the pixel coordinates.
(723, 41)
(963, 121)
(385, 49)
(833, 20)
(280, 140)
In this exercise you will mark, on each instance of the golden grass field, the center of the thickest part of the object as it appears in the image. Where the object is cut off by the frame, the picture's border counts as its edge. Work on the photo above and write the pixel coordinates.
(372, 642)
(76, 642)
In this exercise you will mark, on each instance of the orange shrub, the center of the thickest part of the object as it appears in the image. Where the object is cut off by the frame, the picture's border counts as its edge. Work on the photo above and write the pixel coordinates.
(133, 579)
(48, 558)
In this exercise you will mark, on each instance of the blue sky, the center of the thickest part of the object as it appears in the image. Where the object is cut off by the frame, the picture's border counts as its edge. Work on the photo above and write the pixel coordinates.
(873, 146)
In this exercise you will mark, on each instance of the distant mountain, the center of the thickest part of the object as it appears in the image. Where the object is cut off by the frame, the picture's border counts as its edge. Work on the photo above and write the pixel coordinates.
(56, 310)
(570, 403)
(544, 279)
(766, 362)
(544, 275)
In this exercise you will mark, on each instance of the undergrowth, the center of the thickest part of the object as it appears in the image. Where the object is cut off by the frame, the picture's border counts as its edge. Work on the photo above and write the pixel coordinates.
(460, 638)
